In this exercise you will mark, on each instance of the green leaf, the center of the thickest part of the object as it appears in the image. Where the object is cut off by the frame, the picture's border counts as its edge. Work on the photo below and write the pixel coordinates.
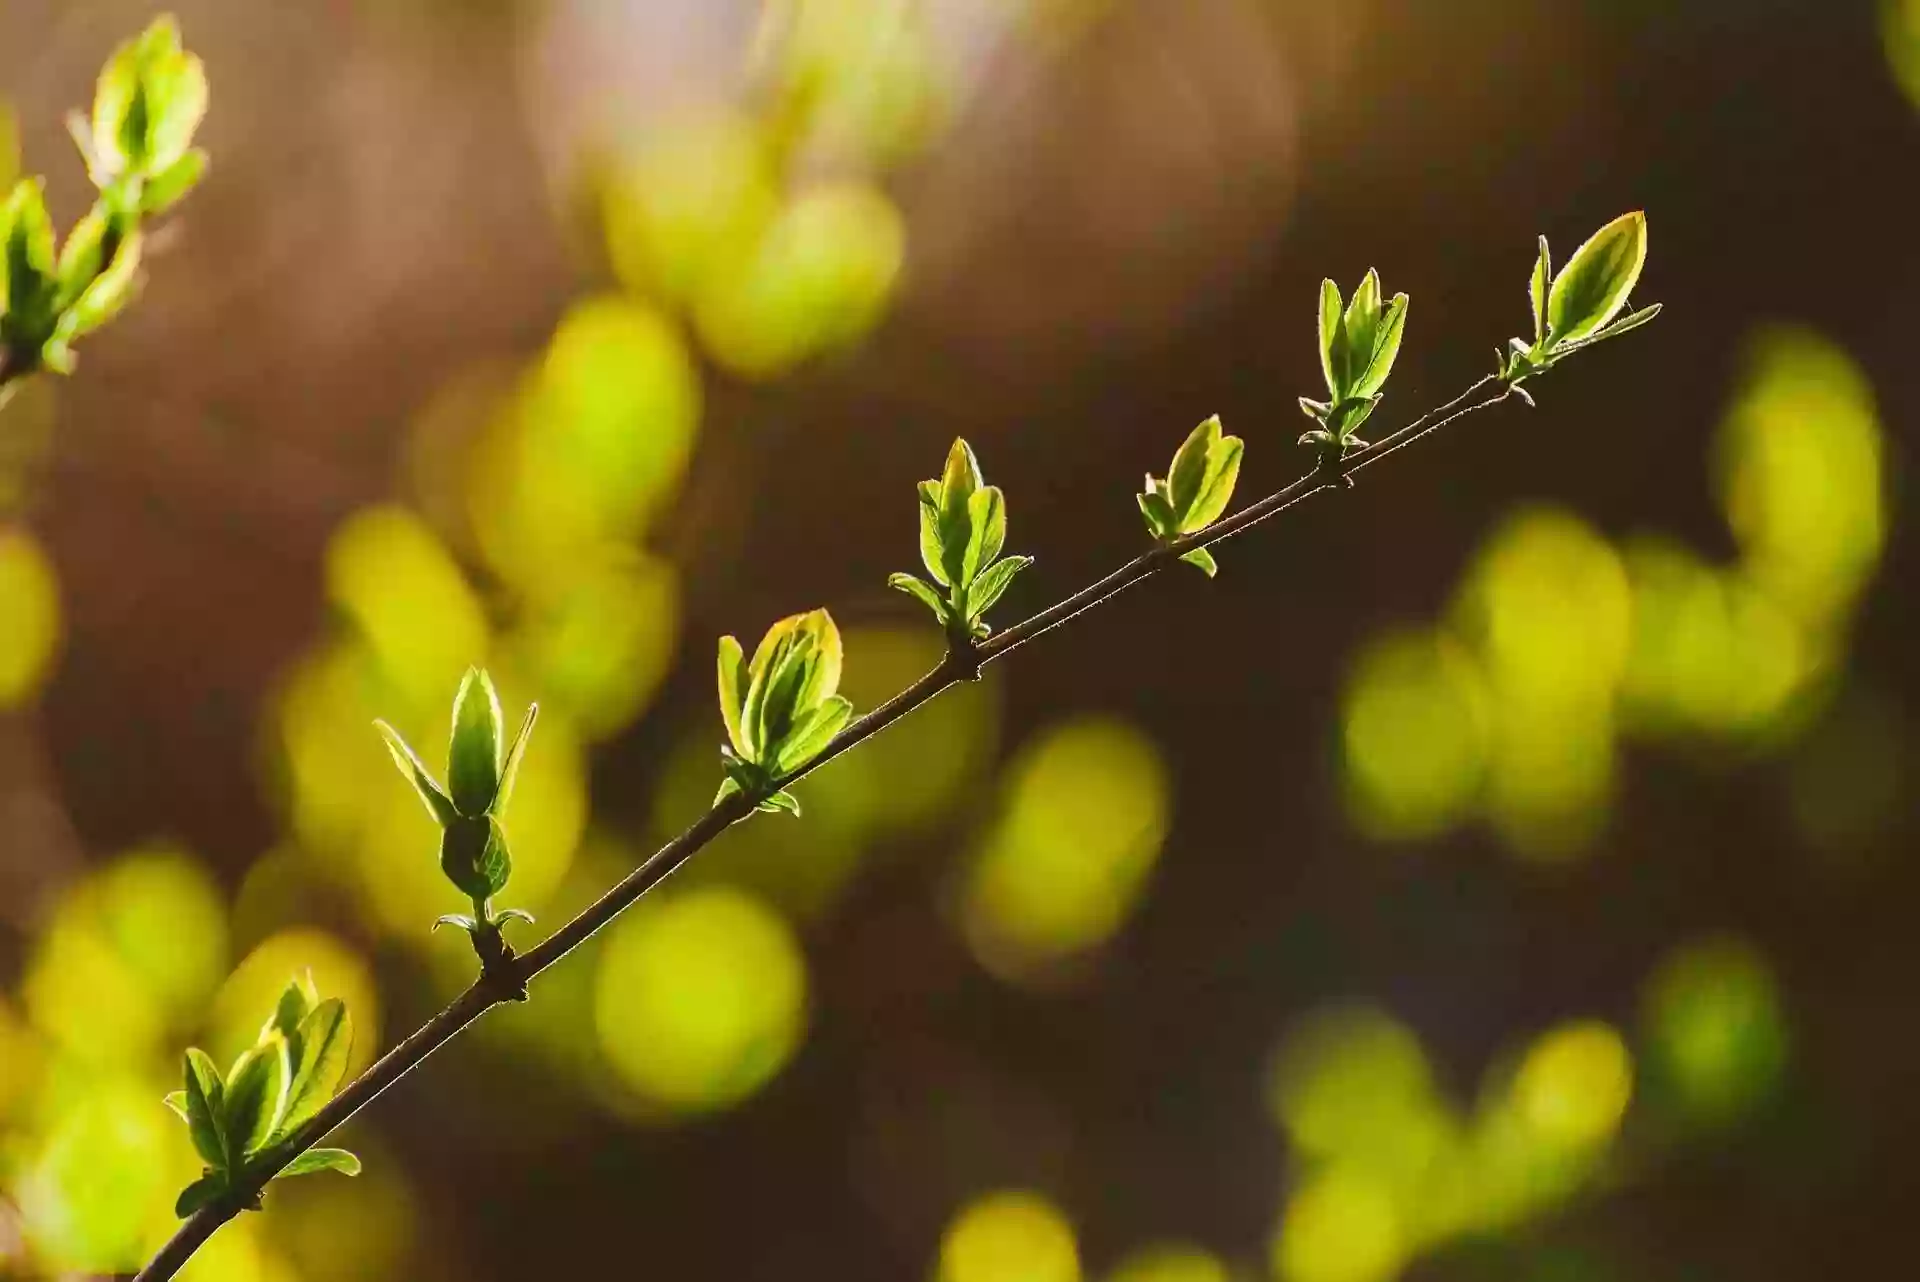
(172, 185)
(1386, 347)
(81, 257)
(986, 530)
(473, 763)
(199, 1193)
(176, 88)
(28, 254)
(1188, 475)
(1359, 329)
(729, 787)
(932, 551)
(256, 1096)
(297, 1000)
(1592, 288)
(1330, 355)
(774, 676)
(473, 858)
(438, 803)
(1318, 411)
(781, 802)
(824, 660)
(461, 920)
(177, 1101)
(115, 95)
(511, 769)
(506, 915)
(1632, 320)
(325, 1040)
(1537, 289)
(1156, 510)
(920, 591)
(1202, 558)
(206, 1106)
(321, 1159)
(1223, 472)
(988, 588)
(733, 683)
(109, 293)
(957, 487)
(813, 733)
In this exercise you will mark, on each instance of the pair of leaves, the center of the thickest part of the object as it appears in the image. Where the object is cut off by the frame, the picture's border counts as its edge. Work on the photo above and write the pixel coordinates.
(147, 105)
(1359, 341)
(1586, 303)
(49, 299)
(963, 526)
(481, 769)
(274, 1088)
(1197, 489)
(782, 707)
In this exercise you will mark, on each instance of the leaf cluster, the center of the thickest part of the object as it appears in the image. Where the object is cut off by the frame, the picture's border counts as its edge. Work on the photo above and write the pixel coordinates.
(781, 708)
(138, 146)
(963, 526)
(1583, 305)
(1197, 489)
(1359, 340)
(237, 1119)
(480, 774)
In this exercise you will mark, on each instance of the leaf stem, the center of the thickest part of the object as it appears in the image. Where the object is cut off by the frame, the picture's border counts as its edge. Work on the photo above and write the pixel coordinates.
(507, 981)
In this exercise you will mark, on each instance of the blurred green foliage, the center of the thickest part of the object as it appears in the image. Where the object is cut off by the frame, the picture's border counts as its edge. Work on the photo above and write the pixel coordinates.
(1559, 643)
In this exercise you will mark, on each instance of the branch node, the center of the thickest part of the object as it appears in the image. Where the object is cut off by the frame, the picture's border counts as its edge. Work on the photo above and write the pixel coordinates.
(499, 976)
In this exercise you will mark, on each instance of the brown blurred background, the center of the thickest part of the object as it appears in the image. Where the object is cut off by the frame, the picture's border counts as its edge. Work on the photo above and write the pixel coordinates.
(1502, 870)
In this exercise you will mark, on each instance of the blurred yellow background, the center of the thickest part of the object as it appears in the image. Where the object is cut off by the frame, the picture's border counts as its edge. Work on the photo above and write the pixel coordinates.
(1499, 872)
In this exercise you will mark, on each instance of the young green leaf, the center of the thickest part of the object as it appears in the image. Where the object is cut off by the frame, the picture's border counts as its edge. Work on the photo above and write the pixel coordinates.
(28, 254)
(108, 295)
(988, 588)
(1592, 288)
(205, 1110)
(824, 661)
(986, 531)
(1216, 484)
(781, 803)
(932, 551)
(1377, 363)
(733, 684)
(438, 803)
(1203, 559)
(466, 859)
(1157, 511)
(1537, 290)
(461, 920)
(1332, 359)
(1188, 475)
(957, 486)
(256, 1096)
(921, 592)
(322, 1159)
(325, 1039)
(297, 999)
(813, 733)
(174, 184)
(473, 763)
(506, 915)
(511, 768)
(1358, 329)
(199, 1193)
(177, 1102)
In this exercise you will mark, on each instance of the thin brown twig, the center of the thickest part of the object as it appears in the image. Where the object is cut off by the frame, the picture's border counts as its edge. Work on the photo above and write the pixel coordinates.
(507, 982)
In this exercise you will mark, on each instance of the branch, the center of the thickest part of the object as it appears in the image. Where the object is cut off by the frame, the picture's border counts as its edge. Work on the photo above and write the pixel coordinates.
(507, 981)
